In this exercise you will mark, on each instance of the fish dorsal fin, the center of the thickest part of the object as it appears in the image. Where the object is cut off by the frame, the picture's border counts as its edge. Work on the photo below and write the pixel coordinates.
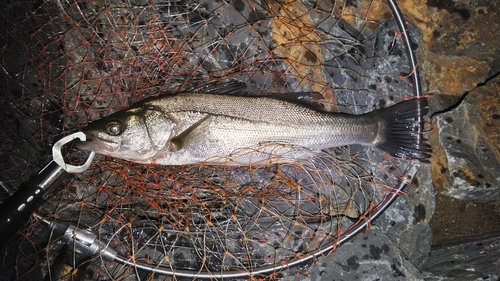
(179, 141)
(226, 88)
(163, 127)
(310, 99)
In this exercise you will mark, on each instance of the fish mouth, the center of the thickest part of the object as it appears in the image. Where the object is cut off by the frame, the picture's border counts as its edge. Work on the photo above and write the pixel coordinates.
(98, 146)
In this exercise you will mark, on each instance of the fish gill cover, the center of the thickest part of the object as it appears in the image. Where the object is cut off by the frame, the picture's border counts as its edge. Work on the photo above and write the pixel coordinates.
(68, 63)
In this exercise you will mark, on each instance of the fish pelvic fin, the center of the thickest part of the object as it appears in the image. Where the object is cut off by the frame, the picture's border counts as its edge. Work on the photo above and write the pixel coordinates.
(401, 132)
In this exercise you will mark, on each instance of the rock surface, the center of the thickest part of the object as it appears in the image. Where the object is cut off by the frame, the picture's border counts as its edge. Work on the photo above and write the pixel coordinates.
(472, 260)
(470, 136)
(460, 62)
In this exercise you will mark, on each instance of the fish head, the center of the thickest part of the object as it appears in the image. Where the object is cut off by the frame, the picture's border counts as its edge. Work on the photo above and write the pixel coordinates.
(136, 134)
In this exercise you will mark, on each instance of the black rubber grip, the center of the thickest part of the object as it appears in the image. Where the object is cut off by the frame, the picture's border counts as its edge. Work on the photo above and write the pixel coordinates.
(17, 209)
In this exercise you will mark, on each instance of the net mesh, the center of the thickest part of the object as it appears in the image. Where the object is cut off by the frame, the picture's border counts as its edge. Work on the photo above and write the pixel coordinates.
(68, 63)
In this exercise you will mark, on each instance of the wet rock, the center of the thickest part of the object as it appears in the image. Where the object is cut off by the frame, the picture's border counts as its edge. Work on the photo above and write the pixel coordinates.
(406, 221)
(470, 136)
(452, 75)
(474, 260)
(459, 50)
(396, 246)
(459, 54)
(457, 28)
(372, 256)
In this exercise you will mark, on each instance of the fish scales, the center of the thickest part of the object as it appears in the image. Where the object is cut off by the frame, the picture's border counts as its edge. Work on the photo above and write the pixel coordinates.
(266, 119)
(247, 107)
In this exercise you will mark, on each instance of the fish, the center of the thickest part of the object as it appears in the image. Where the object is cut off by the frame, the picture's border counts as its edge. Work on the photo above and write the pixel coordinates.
(208, 128)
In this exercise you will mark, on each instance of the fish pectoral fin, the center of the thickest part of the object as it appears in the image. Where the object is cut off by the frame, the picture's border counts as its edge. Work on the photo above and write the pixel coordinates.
(180, 140)
(310, 99)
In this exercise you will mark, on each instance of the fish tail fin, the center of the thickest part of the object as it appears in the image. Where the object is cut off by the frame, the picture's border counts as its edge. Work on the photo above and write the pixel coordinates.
(403, 133)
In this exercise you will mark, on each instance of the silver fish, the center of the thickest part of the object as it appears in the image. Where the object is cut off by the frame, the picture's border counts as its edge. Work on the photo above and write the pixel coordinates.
(194, 128)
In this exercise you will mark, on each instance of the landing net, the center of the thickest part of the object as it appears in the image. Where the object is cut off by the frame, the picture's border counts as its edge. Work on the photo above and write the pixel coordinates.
(68, 63)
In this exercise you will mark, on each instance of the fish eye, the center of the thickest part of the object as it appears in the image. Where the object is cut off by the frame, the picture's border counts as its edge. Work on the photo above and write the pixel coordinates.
(114, 128)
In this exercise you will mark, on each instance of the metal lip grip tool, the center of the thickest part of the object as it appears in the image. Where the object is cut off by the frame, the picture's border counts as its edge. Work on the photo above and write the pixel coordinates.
(17, 209)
